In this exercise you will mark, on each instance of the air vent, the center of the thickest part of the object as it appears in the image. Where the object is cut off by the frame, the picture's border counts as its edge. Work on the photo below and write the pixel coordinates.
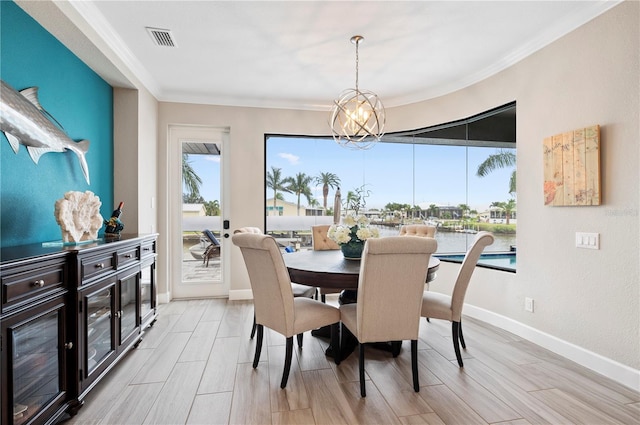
(161, 37)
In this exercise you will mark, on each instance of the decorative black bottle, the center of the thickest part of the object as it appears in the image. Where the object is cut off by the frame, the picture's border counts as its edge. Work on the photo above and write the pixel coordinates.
(114, 225)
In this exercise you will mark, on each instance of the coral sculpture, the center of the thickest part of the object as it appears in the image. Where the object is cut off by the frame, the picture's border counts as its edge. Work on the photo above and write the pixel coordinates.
(78, 215)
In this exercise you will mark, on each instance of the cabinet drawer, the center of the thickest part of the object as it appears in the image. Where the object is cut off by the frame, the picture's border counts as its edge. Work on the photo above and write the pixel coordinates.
(148, 248)
(128, 256)
(95, 266)
(25, 286)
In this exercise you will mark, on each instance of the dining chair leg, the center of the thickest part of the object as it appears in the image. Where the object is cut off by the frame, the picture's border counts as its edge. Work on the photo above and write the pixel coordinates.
(287, 362)
(396, 347)
(343, 338)
(455, 332)
(414, 364)
(256, 358)
(363, 392)
(299, 337)
(253, 328)
(335, 342)
(461, 337)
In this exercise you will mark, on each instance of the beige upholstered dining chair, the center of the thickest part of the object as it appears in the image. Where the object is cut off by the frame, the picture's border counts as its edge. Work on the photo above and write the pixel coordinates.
(274, 303)
(418, 230)
(392, 275)
(445, 307)
(321, 242)
(298, 290)
(422, 230)
(248, 229)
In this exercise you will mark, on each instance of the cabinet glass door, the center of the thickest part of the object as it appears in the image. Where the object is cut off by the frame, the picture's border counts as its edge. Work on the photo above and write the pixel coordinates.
(99, 330)
(128, 310)
(35, 357)
(147, 276)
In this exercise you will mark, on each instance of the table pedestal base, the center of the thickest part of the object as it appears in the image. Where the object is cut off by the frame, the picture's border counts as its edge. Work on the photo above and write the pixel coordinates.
(349, 296)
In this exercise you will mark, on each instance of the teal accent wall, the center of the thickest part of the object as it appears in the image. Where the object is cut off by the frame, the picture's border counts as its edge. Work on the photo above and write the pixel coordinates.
(80, 100)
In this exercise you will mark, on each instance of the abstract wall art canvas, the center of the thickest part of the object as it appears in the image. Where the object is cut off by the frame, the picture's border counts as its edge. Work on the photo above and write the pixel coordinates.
(572, 168)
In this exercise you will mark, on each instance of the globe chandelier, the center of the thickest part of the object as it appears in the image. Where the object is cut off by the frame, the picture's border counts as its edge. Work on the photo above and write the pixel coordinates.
(357, 116)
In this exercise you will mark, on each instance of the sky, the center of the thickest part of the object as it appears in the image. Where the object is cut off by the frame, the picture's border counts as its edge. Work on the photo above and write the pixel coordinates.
(437, 175)
(207, 167)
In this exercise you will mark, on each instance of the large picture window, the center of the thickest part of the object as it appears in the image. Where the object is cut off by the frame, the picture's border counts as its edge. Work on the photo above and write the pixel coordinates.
(459, 177)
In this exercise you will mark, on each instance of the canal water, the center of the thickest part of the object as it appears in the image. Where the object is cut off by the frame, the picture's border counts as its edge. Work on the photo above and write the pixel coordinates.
(460, 242)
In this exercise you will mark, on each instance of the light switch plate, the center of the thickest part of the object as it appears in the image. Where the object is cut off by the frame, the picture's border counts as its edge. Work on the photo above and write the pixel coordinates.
(588, 240)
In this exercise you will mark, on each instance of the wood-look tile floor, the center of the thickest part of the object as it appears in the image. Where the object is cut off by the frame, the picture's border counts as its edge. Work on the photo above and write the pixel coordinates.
(194, 366)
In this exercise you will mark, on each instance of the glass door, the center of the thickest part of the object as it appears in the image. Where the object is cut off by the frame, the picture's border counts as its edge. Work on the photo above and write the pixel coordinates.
(147, 295)
(128, 313)
(99, 328)
(197, 214)
(36, 357)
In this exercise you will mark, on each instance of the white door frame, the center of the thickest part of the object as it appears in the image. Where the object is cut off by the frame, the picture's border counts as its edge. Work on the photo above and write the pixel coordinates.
(178, 133)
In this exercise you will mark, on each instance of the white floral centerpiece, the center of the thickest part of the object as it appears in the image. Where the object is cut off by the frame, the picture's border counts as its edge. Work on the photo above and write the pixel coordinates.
(352, 233)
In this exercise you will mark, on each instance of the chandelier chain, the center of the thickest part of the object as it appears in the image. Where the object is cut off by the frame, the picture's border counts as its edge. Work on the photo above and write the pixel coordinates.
(357, 63)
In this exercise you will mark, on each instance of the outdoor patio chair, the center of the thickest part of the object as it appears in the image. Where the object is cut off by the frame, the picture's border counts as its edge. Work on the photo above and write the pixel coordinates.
(213, 249)
(445, 307)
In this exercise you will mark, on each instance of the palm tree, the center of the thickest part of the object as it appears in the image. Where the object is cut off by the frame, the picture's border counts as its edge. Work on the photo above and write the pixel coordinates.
(465, 208)
(277, 183)
(502, 159)
(327, 180)
(508, 207)
(300, 186)
(189, 177)
(212, 207)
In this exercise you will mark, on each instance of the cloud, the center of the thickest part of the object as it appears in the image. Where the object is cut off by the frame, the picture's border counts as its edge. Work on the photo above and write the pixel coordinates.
(212, 158)
(293, 159)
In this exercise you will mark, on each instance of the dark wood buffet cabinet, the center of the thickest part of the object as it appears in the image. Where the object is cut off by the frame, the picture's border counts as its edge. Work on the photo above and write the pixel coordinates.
(68, 314)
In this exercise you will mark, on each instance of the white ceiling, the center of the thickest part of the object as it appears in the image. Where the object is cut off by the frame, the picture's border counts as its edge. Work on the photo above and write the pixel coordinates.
(297, 54)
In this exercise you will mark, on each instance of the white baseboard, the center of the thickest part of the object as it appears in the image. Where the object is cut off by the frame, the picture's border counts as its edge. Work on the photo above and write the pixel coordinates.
(620, 373)
(163, 298)
(240, 294)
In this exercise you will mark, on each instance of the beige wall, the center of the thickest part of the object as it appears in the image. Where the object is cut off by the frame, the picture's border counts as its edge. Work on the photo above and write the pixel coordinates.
(135, 138)
(588, 299)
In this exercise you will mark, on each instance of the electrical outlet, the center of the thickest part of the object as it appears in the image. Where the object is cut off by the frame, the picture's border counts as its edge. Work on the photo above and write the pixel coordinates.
(528, 304)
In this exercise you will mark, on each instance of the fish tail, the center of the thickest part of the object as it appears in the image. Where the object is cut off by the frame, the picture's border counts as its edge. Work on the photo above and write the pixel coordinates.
(80, 149)
(83, 146)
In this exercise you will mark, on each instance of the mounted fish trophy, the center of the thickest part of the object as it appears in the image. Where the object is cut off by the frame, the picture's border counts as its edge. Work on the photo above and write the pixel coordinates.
(24, 122)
